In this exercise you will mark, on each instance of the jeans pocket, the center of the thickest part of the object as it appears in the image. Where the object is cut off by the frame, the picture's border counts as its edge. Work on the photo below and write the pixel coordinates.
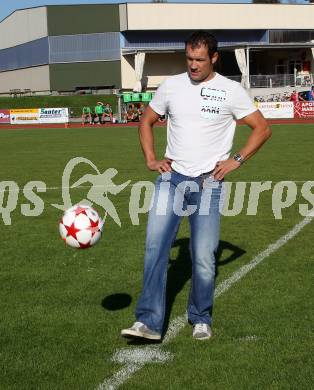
(209, 181)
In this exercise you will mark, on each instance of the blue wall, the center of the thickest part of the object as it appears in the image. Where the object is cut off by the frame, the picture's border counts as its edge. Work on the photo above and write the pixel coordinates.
(62, 49)
(24, 56)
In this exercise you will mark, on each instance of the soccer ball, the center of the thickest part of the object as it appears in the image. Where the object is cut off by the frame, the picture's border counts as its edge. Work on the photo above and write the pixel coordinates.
(81, 226)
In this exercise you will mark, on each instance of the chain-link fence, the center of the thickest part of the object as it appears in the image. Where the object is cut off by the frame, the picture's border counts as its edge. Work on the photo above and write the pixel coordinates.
(278, 80)
(272, 81)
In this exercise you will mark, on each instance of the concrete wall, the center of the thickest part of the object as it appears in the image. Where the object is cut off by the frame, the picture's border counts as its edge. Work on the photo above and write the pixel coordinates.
(123, 14)
(127, 72)
(23, 26)
(157, 67)
(166, 16)
(35, 79)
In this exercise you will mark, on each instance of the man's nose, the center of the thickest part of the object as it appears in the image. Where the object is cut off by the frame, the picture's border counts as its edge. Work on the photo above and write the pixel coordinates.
(194, 65)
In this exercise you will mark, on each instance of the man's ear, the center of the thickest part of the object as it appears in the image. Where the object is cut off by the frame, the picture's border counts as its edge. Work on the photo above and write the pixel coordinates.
(215, 58)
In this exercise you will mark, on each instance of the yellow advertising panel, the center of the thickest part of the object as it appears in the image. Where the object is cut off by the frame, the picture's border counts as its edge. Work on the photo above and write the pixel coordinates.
(24, 116)
(39, 115)
(24, 111)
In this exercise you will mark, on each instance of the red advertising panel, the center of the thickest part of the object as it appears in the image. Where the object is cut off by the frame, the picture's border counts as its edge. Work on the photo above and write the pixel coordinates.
(4, 116)
(304, 109)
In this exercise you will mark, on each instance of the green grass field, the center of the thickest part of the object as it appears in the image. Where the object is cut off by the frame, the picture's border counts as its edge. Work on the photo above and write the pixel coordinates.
(62, 309)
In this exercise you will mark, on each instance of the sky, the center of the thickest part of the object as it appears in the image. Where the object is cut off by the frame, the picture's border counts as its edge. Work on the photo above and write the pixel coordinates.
(8, 6)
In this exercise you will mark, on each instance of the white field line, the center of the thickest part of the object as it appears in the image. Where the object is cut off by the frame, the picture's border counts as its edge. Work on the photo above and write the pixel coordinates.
(42, 189)
(142, 355)
(134, 359)
(175, 326)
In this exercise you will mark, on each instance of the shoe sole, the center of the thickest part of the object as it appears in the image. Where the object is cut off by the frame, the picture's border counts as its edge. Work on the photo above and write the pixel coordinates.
(134, 333)
(202, 338)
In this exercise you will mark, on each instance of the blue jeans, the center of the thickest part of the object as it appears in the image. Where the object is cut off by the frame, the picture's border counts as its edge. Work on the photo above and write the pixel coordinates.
(176, 196)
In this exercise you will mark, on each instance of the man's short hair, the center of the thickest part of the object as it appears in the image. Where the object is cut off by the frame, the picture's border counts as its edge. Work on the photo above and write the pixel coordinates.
(201, 37)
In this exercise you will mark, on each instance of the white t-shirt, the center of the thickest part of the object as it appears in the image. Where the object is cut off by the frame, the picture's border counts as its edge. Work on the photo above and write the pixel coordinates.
(201, 120)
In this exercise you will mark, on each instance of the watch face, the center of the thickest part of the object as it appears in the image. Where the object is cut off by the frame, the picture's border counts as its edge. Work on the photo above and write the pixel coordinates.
(238, 157)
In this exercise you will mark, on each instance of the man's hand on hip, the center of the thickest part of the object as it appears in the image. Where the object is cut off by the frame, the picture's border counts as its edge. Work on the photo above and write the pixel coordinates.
(160, 165)
(224, 167)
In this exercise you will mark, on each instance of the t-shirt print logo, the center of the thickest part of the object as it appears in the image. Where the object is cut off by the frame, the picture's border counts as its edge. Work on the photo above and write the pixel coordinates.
(211, 102)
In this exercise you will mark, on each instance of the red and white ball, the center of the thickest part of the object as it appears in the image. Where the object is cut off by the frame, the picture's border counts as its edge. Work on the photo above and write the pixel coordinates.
(81, 227)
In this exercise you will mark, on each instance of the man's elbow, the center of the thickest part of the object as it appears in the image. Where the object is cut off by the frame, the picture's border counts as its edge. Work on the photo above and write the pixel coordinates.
(267, 132)
(147, 121)
(265, 129)
(143, 123)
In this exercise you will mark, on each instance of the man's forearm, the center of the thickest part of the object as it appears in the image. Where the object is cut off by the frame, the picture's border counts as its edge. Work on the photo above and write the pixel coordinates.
(259, 135)
(147, 142)
(256, 139)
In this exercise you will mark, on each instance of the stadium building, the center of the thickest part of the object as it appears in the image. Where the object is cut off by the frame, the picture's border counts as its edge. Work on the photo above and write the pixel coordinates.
(53, 49)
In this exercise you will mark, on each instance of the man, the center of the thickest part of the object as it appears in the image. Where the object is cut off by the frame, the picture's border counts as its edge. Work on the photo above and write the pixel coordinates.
(107, 111)
(201, 106)
(296, 97)
(98, 112)
(86, 113)
(141, 110)
(131, 113)
(311, 94)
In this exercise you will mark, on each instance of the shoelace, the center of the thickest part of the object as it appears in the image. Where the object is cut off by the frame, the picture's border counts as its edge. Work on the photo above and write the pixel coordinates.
(137, 325)
(200, 328)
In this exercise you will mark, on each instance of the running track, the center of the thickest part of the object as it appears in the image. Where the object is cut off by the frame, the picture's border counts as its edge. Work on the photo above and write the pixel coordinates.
(135, 124)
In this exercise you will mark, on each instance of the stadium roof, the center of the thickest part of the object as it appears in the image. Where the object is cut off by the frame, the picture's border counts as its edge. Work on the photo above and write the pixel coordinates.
(296, 15)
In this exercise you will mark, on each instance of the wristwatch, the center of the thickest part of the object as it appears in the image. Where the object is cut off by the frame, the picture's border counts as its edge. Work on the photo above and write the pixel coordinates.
(237, 157)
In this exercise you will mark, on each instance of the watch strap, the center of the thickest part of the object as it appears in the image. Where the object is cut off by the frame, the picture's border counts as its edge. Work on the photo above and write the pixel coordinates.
(237, 157)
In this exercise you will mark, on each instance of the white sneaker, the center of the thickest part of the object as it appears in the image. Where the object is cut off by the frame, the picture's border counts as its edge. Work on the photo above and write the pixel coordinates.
(138, 329)
(202, 331)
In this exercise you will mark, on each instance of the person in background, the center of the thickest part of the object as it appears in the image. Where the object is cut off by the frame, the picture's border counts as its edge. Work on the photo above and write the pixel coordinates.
(99, 109)
(141, 110)
(311, 94)
(130, 114)
(107, 112)
(86, 114)
(136, 117)
(295, 97)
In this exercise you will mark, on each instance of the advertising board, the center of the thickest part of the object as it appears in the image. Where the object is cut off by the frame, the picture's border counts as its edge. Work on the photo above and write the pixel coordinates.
(276, 110)
(24, 116)
(4, 116)
(304, 109)
(53, 115)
